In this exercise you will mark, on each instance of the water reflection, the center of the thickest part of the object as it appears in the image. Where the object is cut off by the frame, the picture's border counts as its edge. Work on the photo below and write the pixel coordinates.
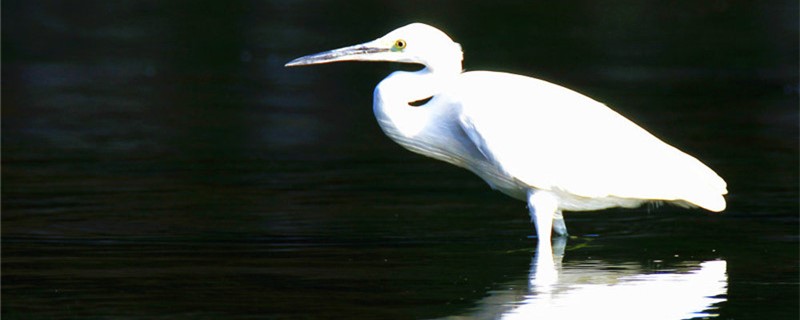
(601, 290)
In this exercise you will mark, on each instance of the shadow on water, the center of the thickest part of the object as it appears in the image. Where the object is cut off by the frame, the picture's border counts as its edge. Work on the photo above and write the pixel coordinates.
(159, 162)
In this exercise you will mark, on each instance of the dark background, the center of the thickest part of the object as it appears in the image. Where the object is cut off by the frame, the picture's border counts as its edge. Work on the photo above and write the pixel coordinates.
(159, 160)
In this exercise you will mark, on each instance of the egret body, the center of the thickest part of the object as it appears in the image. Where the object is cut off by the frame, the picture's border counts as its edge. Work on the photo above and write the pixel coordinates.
(530, 139)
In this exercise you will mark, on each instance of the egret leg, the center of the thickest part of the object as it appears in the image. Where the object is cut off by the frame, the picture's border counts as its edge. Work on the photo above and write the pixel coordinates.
(559, 246)
(558, 224)
(543, 206)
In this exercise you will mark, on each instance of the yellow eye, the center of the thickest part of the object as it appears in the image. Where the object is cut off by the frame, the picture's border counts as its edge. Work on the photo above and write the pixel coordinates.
(400, 44)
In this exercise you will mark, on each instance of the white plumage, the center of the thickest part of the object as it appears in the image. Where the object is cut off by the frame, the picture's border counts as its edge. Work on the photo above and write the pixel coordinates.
(531, 139)
(552, 138)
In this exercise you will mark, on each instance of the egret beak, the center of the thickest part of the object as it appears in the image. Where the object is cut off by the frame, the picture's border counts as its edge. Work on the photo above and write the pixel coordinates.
(370, 51)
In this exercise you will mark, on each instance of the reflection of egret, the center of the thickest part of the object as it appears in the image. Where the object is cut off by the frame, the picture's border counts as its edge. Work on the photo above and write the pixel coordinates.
(533, 140)
(600, 290)
(597, 293)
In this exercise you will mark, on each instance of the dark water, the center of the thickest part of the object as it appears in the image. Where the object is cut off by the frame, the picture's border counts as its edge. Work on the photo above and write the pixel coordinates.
(159, 162)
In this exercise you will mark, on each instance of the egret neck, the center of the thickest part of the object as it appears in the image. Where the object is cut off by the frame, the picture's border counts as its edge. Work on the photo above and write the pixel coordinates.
(402, 99)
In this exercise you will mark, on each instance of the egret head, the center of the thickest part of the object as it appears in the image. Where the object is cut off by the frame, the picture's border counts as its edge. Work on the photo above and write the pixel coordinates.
(414, 43)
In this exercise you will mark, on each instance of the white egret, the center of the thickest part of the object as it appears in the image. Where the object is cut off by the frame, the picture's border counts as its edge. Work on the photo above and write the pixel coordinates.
(532, 140)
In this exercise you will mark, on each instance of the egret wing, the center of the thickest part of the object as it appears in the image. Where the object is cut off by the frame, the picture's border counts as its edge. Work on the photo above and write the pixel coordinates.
(553, 138)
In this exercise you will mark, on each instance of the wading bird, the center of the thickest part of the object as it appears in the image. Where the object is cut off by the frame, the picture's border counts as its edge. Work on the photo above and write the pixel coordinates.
(532, 140)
